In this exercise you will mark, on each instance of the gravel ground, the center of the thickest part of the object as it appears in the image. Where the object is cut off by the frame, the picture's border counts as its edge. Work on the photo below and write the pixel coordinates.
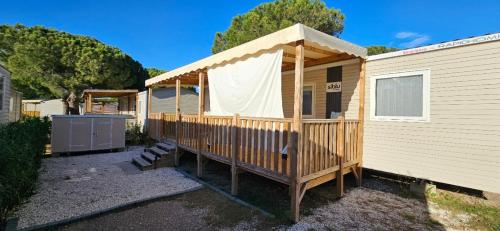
(78, 185)
(202, 209)
(368, 209)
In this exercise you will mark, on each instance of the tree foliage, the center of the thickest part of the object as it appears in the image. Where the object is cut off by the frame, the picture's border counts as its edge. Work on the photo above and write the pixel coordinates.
(375, 50)
(153, 72)
(270, 17)
(46, 63)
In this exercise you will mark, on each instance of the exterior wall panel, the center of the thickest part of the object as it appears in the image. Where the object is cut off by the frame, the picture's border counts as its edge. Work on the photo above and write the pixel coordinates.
(460, 145)
(350, 95)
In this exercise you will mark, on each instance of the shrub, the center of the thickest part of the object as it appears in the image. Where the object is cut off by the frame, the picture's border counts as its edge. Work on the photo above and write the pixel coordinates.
(22, 145)
(135, 136)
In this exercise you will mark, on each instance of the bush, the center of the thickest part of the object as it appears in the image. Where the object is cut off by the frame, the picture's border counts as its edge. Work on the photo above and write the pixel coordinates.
(135, 136)
(22, 145)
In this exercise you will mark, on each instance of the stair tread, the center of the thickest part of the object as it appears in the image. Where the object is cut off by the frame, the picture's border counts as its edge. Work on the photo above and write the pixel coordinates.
(142, 162)
(165, 146)
(148, 157)
(158, 151)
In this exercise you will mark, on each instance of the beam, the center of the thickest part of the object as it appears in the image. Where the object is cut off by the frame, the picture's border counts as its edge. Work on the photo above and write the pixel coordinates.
(201, 111)
(288, 55)
(319, 51)
(296, 150)
(330, 59)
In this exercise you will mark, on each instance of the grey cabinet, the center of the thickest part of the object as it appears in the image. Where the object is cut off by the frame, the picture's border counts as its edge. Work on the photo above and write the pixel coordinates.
(87, 133)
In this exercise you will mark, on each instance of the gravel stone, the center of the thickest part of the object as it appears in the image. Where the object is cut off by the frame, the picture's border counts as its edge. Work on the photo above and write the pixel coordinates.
(79, 185)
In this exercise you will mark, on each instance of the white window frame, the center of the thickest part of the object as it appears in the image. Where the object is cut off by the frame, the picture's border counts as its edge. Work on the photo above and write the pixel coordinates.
(313, 103)
(426, 78)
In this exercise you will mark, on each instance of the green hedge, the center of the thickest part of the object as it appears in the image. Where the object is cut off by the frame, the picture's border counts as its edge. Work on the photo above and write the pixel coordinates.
(22, 145)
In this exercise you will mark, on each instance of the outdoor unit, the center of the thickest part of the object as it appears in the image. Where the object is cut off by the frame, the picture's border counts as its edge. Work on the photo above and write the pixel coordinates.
(77, 133)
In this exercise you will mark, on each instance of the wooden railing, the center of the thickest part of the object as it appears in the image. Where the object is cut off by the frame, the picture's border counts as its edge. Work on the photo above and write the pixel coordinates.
(168, 125)
(30, 113)
(262, 143)
(321, 140)
(188, 135)
(155, 126)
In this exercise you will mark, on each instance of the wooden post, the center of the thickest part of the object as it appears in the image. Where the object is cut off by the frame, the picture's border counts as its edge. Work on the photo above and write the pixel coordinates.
(361, 118)
(295, 145)
(340, 156)
(235, 134)
(201, 111)
(148, 111)
(178, 119)
(137, 108)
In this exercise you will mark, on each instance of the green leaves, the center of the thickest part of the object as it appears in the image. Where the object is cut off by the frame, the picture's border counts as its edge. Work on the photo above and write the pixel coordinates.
(50, 64)
(270, 17)
(22, 145)
(375, 50)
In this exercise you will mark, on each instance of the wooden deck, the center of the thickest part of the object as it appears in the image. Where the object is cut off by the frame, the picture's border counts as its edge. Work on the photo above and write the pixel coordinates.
(259, 145)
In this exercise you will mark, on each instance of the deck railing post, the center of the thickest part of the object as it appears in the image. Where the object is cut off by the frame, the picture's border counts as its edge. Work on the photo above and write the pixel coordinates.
(201, 126)
(361, 119)
(235, 134)
(340, 156)
(178, 120)
(295, 149)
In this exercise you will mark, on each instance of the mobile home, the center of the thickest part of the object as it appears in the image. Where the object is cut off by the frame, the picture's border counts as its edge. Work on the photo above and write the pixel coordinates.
(4, 94)
(302, 108)
(433, 113)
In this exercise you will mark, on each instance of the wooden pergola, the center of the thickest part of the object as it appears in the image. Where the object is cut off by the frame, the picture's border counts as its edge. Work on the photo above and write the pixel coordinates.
(90, 94)
(303, 48)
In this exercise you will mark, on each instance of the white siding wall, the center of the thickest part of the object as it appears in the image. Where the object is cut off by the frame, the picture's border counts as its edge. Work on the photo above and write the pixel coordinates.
(4, 112)
(461, 143)
(350, 91)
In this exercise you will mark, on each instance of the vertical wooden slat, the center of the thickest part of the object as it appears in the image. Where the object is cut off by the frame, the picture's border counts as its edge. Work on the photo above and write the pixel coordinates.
(276, 146)
(269, 143)
(262, 143)
(307, 142)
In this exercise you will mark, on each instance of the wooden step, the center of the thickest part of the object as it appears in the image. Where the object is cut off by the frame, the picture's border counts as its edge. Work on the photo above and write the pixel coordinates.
(149, 157)
(166, 146)
(142, 163)
(158, 152)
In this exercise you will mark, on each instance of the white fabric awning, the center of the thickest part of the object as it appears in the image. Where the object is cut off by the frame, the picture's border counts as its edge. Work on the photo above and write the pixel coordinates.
(250, 87)
(269, 42)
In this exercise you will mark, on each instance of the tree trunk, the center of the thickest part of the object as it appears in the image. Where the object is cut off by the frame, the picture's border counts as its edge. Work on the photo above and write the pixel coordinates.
(73, 107)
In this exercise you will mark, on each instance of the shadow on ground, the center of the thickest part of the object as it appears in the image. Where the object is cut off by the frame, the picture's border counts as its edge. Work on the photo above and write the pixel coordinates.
(379, 204)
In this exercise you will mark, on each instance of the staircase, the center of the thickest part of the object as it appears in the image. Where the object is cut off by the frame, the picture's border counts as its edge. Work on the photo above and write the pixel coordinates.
(160, 155)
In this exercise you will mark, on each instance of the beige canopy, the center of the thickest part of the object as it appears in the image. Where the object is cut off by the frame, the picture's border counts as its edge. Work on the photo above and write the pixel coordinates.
(319, 47)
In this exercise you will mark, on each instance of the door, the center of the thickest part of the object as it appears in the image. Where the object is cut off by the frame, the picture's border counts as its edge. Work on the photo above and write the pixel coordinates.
(333, 92)
(79, 133)
(101, 135)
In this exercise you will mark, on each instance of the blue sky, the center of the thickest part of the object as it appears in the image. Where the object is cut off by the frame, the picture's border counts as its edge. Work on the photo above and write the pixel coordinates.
(168, 34)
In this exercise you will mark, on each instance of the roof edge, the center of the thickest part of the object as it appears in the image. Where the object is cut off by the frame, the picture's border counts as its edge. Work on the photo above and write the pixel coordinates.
(438, 46)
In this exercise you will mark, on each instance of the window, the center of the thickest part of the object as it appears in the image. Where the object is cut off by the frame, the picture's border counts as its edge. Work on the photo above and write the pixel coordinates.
(1, 91)
(400, 96)
(308, 101)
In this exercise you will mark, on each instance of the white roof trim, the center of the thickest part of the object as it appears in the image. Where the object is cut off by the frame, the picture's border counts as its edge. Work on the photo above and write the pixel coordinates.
(290, 34)
(439, 46)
